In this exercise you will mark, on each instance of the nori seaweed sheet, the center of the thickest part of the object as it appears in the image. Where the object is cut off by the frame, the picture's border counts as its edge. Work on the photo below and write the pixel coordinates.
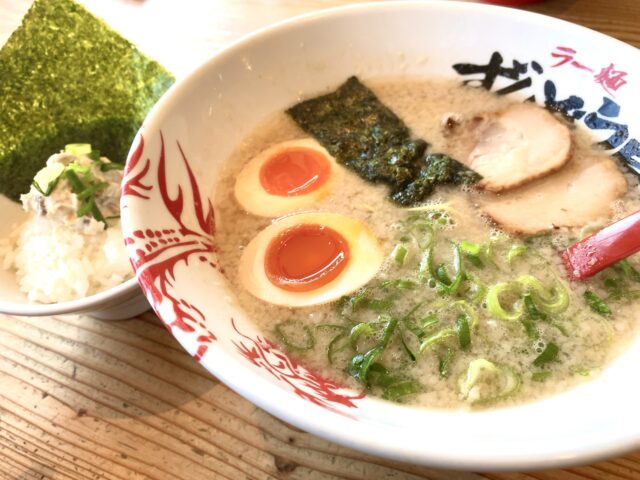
(66, 77)
(365, 135)
(438, 169)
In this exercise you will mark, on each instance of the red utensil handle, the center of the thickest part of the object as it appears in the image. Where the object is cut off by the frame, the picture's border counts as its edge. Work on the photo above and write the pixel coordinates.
(604, 248)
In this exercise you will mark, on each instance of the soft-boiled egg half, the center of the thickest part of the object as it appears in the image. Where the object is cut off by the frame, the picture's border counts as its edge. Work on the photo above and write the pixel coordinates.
(309, 258)
(286, 177)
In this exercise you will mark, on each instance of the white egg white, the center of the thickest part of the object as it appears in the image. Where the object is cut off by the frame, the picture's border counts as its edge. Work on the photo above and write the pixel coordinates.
(252, 196)
(365, 259)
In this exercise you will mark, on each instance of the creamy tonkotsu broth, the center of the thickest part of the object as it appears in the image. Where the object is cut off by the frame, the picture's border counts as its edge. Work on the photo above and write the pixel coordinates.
(446, 349)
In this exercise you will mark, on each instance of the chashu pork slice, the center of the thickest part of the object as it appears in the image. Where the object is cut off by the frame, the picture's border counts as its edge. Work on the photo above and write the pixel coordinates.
(518, 145)
(583, 191)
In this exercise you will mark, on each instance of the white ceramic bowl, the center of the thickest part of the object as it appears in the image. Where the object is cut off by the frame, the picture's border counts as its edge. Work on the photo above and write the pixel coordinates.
(122, 301)
(168, 220)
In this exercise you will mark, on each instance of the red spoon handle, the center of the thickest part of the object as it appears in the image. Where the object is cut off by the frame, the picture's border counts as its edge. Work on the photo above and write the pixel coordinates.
(603, 248)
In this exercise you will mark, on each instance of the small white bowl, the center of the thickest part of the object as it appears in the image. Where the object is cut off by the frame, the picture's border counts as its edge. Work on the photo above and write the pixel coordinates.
(122, 301)
(176, 161)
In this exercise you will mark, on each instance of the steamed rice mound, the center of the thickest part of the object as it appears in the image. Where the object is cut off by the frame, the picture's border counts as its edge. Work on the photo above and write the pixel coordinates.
(54, 263)
(72, 244)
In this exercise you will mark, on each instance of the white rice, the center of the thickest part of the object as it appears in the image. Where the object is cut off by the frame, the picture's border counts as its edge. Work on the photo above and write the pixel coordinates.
(57, 256)
(54, 263)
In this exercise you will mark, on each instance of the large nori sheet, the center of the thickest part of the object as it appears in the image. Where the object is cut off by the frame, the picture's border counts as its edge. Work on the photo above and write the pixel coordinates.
(365, 135)
(66, 77)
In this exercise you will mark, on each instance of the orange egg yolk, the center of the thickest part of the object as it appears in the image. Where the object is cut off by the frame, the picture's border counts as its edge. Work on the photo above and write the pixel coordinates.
(305, 257)
(294, 171)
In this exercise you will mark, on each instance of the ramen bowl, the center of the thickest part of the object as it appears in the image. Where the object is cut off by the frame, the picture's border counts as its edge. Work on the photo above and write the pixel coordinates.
(169, 219)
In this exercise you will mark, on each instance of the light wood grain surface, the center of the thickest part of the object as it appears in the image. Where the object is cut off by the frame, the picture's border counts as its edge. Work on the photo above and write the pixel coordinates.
(85, 399)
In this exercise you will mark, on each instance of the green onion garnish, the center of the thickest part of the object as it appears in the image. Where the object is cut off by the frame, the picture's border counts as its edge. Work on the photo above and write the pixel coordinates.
(596, 303)
(358, 330)
(540, 376)
(549, 354)
(494, 304)
(530, 328)
(444, 363)
(436, 338)
(401, 389)
(78, 148)
(282, 331)
(531, 309)
(515, 251)
(464, 333)
(399, 254)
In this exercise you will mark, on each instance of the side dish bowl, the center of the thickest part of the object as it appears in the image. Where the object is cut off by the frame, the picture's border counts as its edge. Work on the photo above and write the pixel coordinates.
(169, 221)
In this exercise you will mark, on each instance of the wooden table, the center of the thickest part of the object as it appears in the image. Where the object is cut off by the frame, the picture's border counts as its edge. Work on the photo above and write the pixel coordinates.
(85, 399)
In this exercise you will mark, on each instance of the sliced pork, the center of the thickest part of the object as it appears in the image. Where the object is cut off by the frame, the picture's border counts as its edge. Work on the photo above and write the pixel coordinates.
(518, 145)
(583, 191)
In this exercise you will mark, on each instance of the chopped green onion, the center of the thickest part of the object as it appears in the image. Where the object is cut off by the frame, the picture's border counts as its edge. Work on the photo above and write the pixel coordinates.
(78, 148)
(399, 254)
(552, 302)
(437, 338)
(515, 251)
(457, 265)
(85, 192)
(477, 289)
(406, 348)
(628, 270)
(495, 307)
(50, 186)
(424, 234)
(473, 252)
(402, 284)
(360, 364)
(380, 376)
(530, 328)
(531, 309)
(464, 333)
(468, 310)
(379, 304)
(401, 389)
(334, 346)
(469, 248)
(79, 168)
(549, 354)
(424, 267)
(560, 328)
(540, 376)
(353, 302)
(92, 190)
(283, 336)
(444, 363)
(355, 333)
(393, 387)
(427, 271)
(596, 303)
(481, 371)
(429, 321)
(442, 275)
(418, 331)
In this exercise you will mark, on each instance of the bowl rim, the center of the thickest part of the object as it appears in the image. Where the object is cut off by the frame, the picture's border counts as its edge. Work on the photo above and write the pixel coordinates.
(89, 303)
(325, 424)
